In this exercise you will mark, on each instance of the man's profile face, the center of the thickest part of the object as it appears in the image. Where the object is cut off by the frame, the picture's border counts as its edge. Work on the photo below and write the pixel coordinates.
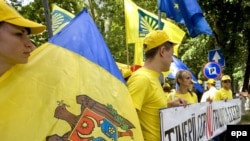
(15, 46)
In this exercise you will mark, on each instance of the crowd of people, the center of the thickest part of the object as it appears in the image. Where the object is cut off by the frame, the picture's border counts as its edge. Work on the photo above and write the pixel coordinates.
(147, 92)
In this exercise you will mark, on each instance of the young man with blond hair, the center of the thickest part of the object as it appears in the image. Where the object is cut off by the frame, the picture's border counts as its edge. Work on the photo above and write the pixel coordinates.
(145, 87)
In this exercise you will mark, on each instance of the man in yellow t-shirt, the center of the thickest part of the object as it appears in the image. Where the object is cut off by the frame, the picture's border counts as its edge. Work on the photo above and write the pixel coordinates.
(225, 92)
(145, 87)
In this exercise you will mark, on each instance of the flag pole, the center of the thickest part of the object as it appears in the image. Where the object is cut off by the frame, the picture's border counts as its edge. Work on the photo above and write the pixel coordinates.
(127, 54)
(159, 19)
(47, 17)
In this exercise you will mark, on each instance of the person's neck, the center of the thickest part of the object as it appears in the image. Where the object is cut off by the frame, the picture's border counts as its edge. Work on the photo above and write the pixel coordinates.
(150, 64)
(210, 86)
(4, 67)
(226, 88)
(182, 90)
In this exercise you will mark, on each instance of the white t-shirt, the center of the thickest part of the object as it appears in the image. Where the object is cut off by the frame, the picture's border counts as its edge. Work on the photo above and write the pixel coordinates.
(210, 93)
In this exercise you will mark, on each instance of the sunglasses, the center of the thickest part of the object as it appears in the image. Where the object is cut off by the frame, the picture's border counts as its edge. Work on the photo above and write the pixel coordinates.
(226, 81)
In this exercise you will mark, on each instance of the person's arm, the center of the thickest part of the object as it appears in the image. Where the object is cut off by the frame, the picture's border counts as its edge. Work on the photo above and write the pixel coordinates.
(245, 94)
(177, 102)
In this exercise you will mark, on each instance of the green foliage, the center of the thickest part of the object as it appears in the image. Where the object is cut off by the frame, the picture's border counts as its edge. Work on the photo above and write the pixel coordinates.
(194, 53)
(35, 11)
(229, 20)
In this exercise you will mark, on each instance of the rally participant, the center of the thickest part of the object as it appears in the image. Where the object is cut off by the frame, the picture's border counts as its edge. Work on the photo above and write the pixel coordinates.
(15, 45)
(185, 85)
(209, 94)
(145, 87)
(225, 92)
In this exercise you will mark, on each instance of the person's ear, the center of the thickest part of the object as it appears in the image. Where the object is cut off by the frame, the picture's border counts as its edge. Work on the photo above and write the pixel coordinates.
(161, 50)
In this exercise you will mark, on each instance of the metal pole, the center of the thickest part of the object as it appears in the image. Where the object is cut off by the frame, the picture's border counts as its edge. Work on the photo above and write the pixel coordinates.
(159, 19)
(47, 17)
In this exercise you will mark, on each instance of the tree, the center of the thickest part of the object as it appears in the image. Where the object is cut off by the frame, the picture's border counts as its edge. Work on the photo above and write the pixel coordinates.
(229, 20)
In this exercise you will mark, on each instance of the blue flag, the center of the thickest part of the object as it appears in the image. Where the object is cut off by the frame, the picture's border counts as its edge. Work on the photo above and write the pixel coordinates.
(171, 8)
(88, 43)
(177, 65)
(190, 12)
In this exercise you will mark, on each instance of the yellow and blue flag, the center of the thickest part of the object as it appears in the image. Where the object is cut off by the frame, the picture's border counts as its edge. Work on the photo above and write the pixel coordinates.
(139, 22)
(60, 18)
(71, 89)
(190, 12)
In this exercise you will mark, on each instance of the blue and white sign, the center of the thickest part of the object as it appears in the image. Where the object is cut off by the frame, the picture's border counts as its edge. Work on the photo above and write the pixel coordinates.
(212, 70)
(216, 56)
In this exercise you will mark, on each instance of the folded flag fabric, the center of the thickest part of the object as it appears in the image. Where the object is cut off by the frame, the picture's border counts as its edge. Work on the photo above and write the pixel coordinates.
(71, 89)
(188, 11)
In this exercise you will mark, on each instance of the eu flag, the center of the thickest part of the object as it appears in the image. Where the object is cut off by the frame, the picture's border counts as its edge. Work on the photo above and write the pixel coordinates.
(171, 8)
(190, 12)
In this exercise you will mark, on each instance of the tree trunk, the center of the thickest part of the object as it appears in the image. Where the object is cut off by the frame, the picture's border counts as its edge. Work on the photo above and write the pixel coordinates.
(246, 76)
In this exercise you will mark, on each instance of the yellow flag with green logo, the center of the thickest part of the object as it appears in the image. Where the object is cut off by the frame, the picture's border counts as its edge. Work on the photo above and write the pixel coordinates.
(139, 22)
(60, 18)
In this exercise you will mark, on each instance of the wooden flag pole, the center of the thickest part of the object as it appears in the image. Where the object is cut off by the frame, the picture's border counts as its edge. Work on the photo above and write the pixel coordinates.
(47, 17)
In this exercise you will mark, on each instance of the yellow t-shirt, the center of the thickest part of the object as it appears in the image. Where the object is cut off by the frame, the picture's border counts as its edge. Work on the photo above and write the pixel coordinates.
(191, 99)
(148, 97)
(223, 94)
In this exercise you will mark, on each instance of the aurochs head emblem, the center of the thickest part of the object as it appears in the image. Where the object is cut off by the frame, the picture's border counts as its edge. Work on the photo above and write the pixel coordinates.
(96, 122)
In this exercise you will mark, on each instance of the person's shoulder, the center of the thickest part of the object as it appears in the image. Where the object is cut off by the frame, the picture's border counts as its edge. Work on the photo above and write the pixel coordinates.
(138, 77)
(138, 74)
(213, 89)
(206, 92)
(194, 94)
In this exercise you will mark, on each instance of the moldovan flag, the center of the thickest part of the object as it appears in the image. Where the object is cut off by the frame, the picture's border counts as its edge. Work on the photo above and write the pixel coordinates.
(60, 18)
(139, 22)
(71, 89)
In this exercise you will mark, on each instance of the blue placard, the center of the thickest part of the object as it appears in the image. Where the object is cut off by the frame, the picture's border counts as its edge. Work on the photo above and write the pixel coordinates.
(212, 70)
(216, 56)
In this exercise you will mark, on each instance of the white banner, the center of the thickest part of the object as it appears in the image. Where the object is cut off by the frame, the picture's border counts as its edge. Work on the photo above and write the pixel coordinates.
(199, 122)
